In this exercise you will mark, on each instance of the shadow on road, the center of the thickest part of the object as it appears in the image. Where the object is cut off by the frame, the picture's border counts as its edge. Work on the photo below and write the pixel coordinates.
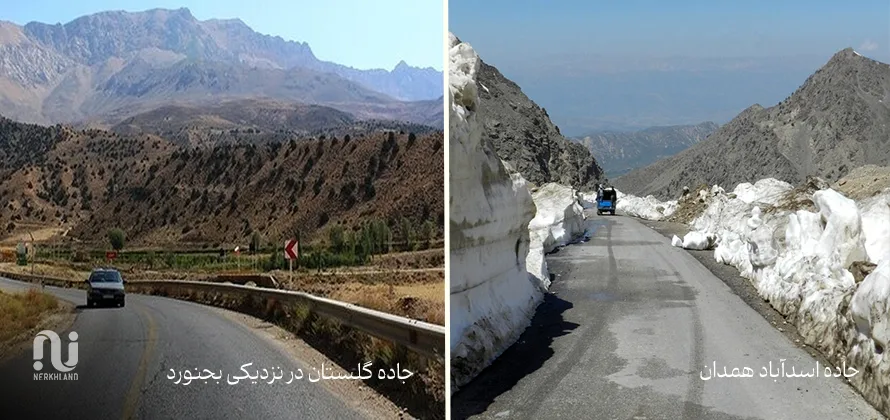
(79, 308)
(527, 355)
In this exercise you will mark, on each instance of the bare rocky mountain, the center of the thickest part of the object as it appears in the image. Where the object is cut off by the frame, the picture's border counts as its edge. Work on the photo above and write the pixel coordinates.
(523, 135)
(102, 64)
(836, 121)
(620, 152)
(159, 192)
(246, 119)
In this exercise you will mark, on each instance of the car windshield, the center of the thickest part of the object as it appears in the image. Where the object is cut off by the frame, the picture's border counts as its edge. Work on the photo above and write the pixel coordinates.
(106, 277)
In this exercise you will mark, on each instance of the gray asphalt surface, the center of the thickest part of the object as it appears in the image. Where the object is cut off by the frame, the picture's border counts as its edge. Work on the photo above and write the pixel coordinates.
(631, 328)
(125, 357)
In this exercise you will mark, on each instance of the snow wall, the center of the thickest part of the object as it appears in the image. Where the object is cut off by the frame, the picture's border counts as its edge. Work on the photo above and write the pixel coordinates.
(559, 221)
(499, 233)
(492, 296)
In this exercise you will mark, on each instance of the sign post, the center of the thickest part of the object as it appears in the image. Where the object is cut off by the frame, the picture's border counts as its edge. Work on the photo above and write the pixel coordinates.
(238, 258)
(110, 255)
(291, 253)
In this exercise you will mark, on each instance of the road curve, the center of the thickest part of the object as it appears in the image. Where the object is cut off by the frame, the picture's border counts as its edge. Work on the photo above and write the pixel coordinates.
(125, 357)
(631, 329)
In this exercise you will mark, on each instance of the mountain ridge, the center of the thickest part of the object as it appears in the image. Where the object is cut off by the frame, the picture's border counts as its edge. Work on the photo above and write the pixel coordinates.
(523, 135)
(52, 73)
(834, 122)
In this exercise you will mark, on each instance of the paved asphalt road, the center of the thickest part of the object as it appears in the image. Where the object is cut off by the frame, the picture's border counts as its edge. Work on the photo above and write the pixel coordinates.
(125, 357)
(631, 326)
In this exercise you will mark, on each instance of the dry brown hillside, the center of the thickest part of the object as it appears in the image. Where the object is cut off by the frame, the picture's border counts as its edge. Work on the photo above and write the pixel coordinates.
(159, 192)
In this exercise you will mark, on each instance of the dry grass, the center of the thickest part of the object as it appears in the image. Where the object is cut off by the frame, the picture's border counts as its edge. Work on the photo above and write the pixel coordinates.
(22, 312)
(416, 295)
(864, 182)
(418, 259)
(57, 271)
(689, 206)
(424, 301)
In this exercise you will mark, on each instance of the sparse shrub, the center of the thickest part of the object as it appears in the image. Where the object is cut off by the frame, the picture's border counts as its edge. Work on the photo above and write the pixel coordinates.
(80, 256)
(117, 238)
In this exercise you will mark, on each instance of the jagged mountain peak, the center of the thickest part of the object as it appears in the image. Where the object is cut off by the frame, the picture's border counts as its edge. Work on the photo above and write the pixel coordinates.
(837, 120)
(401, 66)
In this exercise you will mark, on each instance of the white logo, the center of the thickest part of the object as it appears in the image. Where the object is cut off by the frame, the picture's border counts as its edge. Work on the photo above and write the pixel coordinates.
(55, 356)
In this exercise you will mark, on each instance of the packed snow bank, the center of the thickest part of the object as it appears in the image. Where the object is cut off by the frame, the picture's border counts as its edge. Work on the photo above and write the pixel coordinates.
(649, 208)
(558, 221)
(799, 261)
(875, 217)
(492, 296)
(587, 200)
(695, 240)
(766, 191)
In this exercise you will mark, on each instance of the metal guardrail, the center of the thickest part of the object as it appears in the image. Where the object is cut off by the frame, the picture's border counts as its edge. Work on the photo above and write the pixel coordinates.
(421, 337)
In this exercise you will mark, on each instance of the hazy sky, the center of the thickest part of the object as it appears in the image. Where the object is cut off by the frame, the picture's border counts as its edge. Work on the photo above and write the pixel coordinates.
(632, 64)
(359, 33)
(699, 28)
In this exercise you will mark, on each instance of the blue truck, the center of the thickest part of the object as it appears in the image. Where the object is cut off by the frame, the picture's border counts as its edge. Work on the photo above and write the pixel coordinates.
(606, 200)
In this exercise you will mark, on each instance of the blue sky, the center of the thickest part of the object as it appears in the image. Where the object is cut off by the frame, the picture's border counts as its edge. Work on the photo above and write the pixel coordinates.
(626, 65)
(359, 33)
(699, 28)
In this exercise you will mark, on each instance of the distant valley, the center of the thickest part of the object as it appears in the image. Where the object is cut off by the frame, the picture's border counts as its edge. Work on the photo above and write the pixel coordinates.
(619, 152)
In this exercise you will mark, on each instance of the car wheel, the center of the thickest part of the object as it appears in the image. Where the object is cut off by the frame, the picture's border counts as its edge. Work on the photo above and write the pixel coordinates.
(122, 304)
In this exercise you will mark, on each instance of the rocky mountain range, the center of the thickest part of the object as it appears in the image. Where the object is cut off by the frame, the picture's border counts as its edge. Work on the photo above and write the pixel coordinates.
(837, 120)
(249, 119)
(523, 135)
(620, 152)
(121, 63)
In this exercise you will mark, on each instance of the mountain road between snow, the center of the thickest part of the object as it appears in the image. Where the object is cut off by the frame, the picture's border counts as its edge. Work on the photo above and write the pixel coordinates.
(125, 357)
(633, 329)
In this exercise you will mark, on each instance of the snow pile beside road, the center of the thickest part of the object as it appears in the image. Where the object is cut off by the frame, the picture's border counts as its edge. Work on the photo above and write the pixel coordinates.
(559, 220)
(492, 297)
(800, 262)
(587, 199)
(766, 191)
(875, 214)
(695, 240)
(649, 208)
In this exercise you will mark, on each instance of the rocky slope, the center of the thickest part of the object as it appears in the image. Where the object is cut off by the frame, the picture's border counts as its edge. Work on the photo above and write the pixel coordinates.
(620, 152)
(101, 63)
(523, 135)
(162, 193)
(836, 121)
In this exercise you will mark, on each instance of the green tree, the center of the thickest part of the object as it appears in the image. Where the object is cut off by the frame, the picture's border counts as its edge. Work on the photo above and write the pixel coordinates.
(407, 233)
(256, 241)
(118, 238)
(427, 231)
(336, 235)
